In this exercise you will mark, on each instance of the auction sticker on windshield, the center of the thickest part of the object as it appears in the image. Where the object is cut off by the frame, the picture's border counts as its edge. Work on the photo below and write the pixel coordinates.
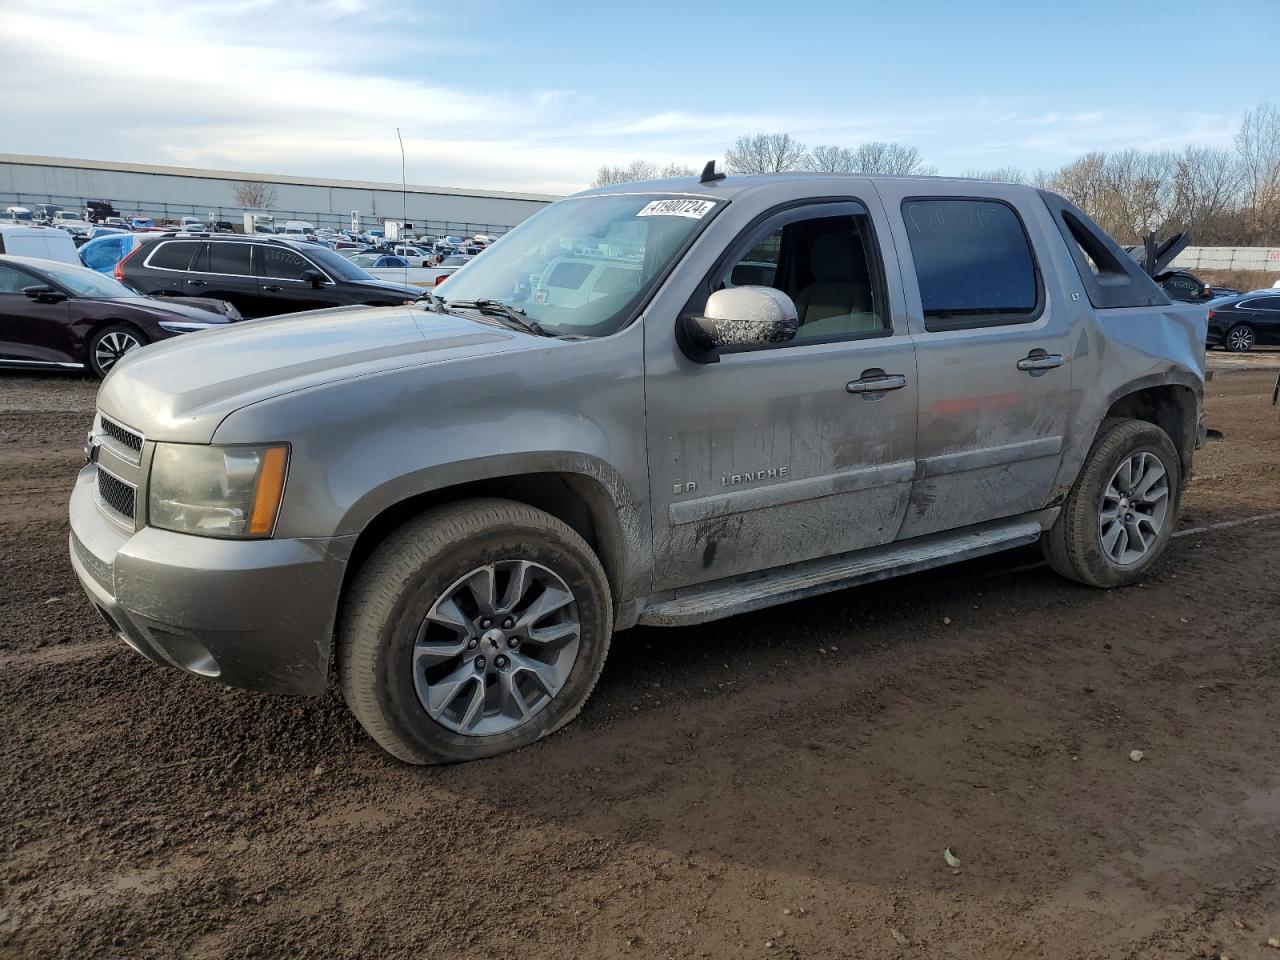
(693, 209)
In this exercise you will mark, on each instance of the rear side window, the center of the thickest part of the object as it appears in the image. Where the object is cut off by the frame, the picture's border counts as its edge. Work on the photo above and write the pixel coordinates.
(281, 264)
(1181, 287)
(173, 255)
(231, 259)
(973, 262)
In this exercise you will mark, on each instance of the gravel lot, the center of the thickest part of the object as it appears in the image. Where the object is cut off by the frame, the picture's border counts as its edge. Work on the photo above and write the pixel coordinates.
(777, 785)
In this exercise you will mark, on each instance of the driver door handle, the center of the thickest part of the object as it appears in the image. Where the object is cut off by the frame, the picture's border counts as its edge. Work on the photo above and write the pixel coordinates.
(877, 383)
(1039, 360)
(272, 288)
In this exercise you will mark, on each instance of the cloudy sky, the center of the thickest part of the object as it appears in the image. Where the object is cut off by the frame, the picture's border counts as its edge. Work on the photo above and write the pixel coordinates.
(536, 96)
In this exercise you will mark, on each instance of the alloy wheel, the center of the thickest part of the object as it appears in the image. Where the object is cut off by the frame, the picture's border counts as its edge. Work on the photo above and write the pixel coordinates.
(496, 647)
(1134, 507)
(112, 347)
(1240, 339)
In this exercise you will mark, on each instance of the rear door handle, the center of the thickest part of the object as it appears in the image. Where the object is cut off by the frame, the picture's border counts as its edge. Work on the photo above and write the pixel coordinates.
(195, 283)
(1039, 360)
(877, 383)
(272, 288)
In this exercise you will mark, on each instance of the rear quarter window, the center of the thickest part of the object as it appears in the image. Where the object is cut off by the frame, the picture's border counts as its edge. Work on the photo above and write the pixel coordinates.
(173, 255)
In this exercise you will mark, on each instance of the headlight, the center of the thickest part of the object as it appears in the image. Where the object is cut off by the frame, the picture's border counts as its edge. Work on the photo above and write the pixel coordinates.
(217, 491)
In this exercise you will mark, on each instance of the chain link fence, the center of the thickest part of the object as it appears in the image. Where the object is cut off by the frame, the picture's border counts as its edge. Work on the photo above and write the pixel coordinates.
(162, 212)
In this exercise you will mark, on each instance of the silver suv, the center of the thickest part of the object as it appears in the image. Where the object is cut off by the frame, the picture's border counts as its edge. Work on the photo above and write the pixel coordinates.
(659, 403)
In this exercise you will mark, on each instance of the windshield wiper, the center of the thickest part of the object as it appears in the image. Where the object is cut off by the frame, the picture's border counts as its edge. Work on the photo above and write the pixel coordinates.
(496, 308)
(433, 301)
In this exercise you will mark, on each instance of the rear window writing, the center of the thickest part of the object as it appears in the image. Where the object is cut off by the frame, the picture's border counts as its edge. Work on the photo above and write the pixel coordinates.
(972, 259)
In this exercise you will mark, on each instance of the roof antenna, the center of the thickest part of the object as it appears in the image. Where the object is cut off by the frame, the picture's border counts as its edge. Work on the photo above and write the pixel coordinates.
(404, 204)
(709, 174)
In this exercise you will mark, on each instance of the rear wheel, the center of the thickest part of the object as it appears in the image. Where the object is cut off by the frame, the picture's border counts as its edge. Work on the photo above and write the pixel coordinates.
(109, 344)
(475, 629)
(1119, 516)
(1240, 338)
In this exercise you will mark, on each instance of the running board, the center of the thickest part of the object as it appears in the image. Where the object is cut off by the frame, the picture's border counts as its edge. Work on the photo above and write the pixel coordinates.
(727, 598)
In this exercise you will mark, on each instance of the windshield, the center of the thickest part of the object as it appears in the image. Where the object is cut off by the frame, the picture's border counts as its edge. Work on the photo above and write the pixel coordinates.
(83, 282)
(582, 266)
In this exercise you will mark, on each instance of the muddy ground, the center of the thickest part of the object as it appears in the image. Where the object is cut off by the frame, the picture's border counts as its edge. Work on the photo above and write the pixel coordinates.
(778, 785)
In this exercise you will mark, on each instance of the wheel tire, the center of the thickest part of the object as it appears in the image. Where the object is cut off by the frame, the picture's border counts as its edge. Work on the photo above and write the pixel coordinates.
(1240, 338)
(102, 346)
(1073, 546)
(402, 580)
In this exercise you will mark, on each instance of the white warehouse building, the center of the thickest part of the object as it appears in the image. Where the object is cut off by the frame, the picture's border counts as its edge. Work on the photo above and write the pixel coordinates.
(167, 193)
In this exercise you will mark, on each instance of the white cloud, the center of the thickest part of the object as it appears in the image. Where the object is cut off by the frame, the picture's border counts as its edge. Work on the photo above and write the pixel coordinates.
(304, 87)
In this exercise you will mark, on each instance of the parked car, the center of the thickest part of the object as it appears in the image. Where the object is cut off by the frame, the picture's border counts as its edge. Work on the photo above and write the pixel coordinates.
(68, 216)
(261, 275)
(456, 504)
(414, 255)
(18, 215)
(1243, 322)
(44, 212)
(378, 261)
(119, 223)
(47, 243)
(142, 223)
(191, 223)
(103, 253)
(60, 316)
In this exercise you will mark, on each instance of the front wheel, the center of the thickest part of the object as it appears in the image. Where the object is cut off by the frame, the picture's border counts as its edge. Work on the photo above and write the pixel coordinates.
(475, 629)
(109, 344)
(1119, 516)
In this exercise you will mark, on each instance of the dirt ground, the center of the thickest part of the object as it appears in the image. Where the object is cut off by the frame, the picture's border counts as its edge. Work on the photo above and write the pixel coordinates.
(777, 785)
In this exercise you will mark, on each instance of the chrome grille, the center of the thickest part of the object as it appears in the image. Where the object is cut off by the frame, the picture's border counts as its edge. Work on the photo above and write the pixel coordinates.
(122, 435)
(116, 494)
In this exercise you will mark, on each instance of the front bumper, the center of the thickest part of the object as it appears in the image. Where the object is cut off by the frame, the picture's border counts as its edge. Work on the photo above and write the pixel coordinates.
(250, 613)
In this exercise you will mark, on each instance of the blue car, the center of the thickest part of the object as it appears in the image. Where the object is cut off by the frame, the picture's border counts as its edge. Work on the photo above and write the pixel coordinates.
(103, 253)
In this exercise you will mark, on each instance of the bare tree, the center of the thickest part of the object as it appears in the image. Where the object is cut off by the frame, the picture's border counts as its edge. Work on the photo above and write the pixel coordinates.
(766, 153)
(640, 170)
(254, 194)
(1000, 174)
(1258, 144)
(892, 159)
(1206, 188)
(825, 159)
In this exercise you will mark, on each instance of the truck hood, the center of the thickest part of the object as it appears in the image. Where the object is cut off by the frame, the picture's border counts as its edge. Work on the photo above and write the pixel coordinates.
(182, 389)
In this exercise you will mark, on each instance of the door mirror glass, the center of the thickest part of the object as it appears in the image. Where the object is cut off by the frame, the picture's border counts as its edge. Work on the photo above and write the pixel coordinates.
(745, 317)
(313, 277)
(43, 293)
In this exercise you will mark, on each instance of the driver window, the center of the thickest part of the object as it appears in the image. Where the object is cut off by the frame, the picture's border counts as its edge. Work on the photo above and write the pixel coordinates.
(12, 281)
(823, 265)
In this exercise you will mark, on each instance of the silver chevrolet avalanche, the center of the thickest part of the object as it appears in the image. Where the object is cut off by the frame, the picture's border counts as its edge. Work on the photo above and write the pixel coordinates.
(657, 403)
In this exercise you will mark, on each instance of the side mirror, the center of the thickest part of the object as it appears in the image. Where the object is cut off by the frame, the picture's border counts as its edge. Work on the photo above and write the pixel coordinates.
(313, 277)
(744, 317)
(43, 293)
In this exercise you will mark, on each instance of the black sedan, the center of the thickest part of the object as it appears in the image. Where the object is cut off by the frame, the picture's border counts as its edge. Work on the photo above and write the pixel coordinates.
(1243, 322)
(59, 316)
